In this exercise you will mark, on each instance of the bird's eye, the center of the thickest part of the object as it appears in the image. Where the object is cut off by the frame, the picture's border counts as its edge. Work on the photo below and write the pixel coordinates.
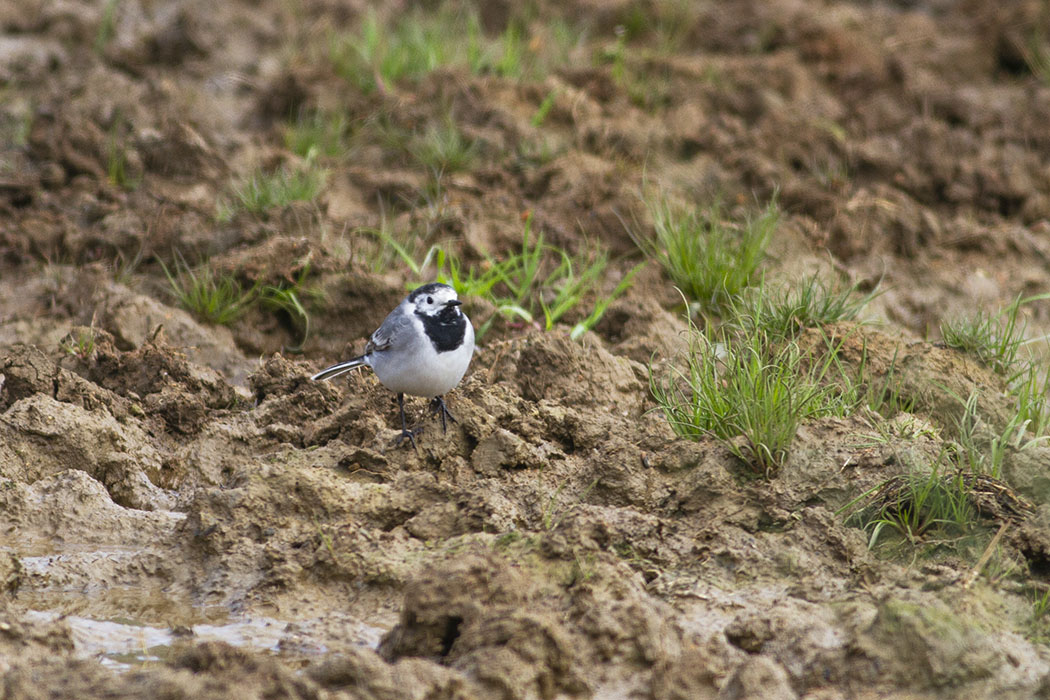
(430, 300)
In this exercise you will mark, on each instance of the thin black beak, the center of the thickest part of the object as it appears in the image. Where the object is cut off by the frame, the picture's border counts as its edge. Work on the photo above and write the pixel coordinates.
(453, 302)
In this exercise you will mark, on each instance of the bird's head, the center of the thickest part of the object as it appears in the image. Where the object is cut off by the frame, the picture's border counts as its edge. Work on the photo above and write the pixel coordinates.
(435, 299)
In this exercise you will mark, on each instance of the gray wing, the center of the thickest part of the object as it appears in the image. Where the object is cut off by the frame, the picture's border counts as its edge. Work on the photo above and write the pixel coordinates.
(393, 328)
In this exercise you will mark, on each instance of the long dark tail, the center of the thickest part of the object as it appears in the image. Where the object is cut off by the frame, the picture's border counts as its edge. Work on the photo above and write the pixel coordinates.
(341, 368)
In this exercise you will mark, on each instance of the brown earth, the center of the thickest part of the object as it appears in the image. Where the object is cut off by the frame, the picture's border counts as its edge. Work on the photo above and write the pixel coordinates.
(184, 514)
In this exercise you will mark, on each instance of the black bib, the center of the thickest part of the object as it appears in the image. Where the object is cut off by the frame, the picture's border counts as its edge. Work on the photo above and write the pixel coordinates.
(447, 330)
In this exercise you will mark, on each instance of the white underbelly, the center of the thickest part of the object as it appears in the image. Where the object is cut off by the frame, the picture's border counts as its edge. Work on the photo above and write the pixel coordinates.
(431, 374)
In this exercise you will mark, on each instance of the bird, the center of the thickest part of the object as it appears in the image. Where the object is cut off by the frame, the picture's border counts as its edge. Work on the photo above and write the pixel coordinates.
(422, 348)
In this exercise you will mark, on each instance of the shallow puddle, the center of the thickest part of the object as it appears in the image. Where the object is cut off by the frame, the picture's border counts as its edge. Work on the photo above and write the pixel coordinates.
(95, 590)
(122, 645)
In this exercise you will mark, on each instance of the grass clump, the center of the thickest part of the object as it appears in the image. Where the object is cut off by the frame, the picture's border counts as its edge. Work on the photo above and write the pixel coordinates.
(315, 134)
(748, 389)
(443, 148)
(221, 299)
(915, 505)
(1039, 621)
(1030, 387)
(380, 54)
(543, 279)
(211, 297)
(467, 280)
(711, 259)
(544, 109)
(117, 163)
(107, 26)
(394, 245)
(539, 284)
(118, 171)
(509, 61)
(287, 298)
(786, 310)
(16, 124)
(748, 382)
(982, 449)
(261, 192)
(516, 55)
(998, 342)
(994, 339)
(1035, 49)
(80, 342)
(645, 85)
(545, 282)
(881, 395)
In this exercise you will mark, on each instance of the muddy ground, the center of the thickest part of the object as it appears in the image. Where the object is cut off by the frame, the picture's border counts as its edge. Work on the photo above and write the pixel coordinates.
(183, 513)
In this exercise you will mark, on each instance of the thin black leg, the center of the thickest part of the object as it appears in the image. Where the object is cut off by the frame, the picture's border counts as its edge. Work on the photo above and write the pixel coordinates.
(438, 404)
(405, 432)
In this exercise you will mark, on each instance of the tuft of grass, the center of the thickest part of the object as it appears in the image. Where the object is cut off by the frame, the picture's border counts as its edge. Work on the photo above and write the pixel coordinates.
(710, 259)
(915, 505)
(116, 164)
(315, 134)
(393, 246)
(747, 389)
(545, 280)
(786, 310)
(124, 267)
(468, 281)
(1039, 622)
(379, 54)
(615, 54)
(382, 128)
(647, 83)
(982, 451)
(1031, 387)
(17, 124)
(1036, 52)
(80, 343)
(220, 298)
(511, 59)
(539, 284)
(261, 192)
(117, 158)
(544, 109)
(555, 512)
(107, 26)
(287, 299)
(210, 297)
(884, 396)
(538, 151)
(994, 339)
(1041, 605)
(603, 303)
(443, 148)
(998, 341)
(519, 56)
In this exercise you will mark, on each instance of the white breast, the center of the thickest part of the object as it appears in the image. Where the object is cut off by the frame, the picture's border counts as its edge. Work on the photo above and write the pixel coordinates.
(419, 370)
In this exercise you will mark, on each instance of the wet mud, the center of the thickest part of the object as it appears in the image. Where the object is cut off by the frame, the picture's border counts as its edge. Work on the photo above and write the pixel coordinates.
(185, 514)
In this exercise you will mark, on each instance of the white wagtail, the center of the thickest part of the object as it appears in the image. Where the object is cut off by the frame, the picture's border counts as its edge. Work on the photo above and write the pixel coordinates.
(423, 348)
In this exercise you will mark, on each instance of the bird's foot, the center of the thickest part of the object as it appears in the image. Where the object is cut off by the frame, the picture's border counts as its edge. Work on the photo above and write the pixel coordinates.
(438, 404)
(409, 435)
(405, 432)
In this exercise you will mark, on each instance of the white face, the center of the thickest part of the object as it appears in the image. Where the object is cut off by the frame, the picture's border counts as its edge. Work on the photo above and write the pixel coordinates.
(431, 299)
